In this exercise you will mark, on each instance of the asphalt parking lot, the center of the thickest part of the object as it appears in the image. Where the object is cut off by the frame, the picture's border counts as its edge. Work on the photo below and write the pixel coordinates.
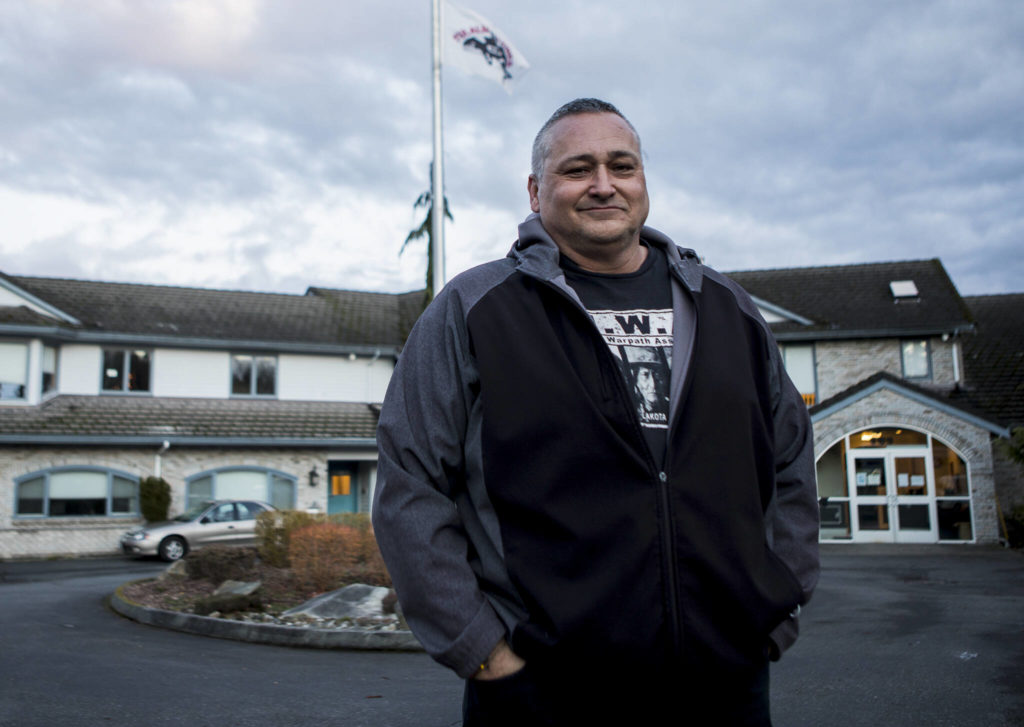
(909, 635)
(904, 635)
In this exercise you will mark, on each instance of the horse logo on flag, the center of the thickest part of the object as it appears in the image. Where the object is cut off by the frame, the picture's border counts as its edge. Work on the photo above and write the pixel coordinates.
(493, 50)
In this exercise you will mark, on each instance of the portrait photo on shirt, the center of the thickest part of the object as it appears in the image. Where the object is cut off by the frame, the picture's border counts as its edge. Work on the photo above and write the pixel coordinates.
(641, 341)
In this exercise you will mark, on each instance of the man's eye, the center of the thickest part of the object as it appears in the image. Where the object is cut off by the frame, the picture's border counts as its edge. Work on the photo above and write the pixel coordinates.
(624, 168)
(577, 172)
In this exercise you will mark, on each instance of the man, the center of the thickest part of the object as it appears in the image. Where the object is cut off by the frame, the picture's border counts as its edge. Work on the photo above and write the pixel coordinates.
(576, 562)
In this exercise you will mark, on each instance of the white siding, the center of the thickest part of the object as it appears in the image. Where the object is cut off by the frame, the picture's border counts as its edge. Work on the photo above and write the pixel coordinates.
(80, 369)
(178, 372)
(332, 378)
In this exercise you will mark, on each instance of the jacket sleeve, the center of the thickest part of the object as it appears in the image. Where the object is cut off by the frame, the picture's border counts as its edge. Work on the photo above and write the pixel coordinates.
(421, 440)
(792, 517)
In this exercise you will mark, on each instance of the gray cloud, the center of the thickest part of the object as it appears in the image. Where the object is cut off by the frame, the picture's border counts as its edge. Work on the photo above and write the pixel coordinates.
(776, 133)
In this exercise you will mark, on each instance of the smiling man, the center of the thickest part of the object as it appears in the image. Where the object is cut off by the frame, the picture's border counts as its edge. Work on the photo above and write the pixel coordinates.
(595, 490)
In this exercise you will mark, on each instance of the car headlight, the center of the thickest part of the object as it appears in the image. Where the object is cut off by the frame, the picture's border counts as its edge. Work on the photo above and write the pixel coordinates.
(137, 535)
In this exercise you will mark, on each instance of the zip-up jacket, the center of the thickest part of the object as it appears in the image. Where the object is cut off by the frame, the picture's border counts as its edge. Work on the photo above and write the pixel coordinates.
(517, 498)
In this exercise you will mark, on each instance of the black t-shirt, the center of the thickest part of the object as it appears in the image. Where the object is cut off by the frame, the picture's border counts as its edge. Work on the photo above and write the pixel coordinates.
(633, 312)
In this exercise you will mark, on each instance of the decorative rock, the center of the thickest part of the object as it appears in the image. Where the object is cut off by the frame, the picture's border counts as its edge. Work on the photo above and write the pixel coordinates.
(242, 588)
(231, 596)
(354, 601)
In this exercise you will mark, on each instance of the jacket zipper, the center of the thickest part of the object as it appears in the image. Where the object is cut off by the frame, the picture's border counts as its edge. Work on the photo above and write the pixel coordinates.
(659, 475)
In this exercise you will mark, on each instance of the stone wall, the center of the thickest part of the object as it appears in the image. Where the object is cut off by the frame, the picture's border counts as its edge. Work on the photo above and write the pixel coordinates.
(886, 408)
(841, 364)
(42, 537)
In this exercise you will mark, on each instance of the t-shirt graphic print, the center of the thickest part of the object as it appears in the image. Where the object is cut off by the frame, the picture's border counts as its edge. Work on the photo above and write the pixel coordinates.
(641, 341)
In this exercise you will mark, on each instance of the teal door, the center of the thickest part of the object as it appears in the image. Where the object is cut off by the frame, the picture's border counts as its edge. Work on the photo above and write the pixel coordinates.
(342, 487)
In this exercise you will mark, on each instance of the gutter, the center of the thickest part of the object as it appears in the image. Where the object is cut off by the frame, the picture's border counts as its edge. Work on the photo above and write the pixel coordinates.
(63, 335)
(862, 334)
(160, 440)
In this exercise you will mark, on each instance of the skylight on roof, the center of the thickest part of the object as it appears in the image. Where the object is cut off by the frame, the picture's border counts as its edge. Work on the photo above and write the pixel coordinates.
(903, 289)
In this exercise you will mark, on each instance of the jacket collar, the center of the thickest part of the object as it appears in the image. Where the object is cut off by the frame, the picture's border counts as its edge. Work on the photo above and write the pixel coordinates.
(536, 254)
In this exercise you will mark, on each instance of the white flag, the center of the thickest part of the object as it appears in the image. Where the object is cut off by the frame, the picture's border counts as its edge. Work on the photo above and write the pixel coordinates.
(473, 44)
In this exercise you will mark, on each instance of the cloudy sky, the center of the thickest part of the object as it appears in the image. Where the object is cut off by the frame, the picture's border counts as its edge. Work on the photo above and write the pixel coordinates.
(272, 145)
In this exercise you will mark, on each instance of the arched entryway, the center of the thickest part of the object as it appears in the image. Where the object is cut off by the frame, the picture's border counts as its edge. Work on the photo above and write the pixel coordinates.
(894, 485)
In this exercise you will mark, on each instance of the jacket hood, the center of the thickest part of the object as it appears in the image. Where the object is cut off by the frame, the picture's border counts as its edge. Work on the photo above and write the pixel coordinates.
(537, 254)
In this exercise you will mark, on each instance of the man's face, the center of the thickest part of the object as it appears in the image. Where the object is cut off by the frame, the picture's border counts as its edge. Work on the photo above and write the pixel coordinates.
(592, 190)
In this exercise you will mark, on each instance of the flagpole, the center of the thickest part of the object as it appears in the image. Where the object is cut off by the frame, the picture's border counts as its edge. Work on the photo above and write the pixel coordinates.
(436, 182)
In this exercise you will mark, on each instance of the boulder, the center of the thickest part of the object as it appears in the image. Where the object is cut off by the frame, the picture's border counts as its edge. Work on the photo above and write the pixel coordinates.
(354, 601)
(231, 596)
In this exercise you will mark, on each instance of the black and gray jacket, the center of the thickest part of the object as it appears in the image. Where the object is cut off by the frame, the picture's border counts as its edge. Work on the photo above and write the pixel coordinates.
(516, 496)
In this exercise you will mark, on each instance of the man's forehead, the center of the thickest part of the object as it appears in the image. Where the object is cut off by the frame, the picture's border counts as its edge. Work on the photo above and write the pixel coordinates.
(590, 134)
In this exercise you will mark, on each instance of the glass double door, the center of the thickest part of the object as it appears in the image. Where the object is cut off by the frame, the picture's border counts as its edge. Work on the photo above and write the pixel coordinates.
(892, 495)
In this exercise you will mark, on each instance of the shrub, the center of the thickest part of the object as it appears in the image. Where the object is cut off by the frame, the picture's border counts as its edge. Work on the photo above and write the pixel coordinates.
(321, 554)
(274, 531)
(154, 499)
(1015, 527)
(221, 563)
(328, 555)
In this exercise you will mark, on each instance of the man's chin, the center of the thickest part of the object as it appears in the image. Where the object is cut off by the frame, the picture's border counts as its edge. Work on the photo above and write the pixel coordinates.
(609, 234)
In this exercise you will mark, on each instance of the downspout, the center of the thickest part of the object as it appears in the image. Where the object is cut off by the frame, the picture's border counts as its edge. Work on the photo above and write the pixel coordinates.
(156, 464)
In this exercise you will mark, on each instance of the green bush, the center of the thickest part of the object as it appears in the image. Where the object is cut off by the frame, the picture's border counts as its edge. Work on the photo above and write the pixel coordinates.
(220, 563)
(1015, 527)
(154, 499)
(274, 533)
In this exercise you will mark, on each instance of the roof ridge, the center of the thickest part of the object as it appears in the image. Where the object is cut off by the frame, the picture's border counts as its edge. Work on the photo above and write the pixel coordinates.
(837, 266)
(19, 279)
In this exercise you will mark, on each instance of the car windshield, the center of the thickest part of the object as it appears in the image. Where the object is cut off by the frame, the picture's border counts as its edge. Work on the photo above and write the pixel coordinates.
(193, 512)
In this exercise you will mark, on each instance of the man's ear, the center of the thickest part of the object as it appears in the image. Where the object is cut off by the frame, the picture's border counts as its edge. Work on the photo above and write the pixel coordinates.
(532, 187)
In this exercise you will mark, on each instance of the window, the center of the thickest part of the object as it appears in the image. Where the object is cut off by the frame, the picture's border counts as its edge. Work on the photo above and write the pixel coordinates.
(242, 483)
(799, 362)
(253, 375)
(77, 492)
(13, 370)
(49, 378)
(916, 359)
(125, 370)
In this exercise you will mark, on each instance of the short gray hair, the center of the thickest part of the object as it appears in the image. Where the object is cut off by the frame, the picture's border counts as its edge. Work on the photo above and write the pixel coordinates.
(542, 142)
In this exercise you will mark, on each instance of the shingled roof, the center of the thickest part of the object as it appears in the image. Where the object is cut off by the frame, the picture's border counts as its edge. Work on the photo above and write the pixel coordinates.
(994, 357)
(320, 317)
(844, 301)
(141, 420)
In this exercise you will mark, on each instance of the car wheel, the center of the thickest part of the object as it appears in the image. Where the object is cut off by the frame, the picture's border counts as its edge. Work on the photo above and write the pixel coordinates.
(172, 548)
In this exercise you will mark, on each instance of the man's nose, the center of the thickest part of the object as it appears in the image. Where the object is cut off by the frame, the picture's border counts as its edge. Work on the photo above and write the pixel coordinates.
(602, 183)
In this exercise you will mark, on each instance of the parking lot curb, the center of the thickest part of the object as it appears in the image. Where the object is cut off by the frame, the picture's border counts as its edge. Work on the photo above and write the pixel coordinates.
(258, 633)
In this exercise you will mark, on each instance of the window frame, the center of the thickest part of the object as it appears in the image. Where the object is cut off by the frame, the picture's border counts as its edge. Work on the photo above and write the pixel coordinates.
(126, 353)
(24, 376)
(268, 472)
(52, 390)
(785, 348)
(928, 358)
(45, 474)
(254, 358)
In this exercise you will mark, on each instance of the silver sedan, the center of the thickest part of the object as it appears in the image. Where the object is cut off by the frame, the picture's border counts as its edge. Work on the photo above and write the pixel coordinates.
(221, 521)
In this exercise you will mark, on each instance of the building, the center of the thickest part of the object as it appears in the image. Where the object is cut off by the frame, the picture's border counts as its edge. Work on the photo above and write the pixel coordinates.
(224, 394)
(275, 397)
(905, 397)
